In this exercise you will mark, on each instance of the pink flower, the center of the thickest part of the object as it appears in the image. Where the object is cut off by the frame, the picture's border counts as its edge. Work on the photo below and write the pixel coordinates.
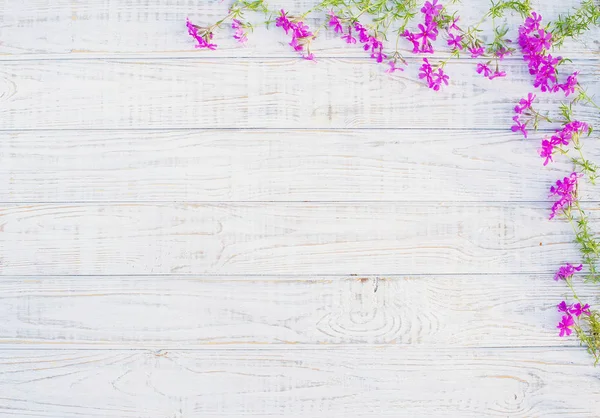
(335, 22)
(565, 325)
(518, 126)
(455, 41)
(453, 25)
(476, 52)
(431, 9)
(577, 309)
(411, 37)
(239, 35)
(563, 307)
(393, 67)
(525, 104)
(569, 86)
(497, 74)
(567, 271)
(501, 53)
(565, 190)
(483, 68)
(434, 79)
(363, 33)
(348, 37)
(203, 41)
(546, 151)
(283, 22)
(428, 33)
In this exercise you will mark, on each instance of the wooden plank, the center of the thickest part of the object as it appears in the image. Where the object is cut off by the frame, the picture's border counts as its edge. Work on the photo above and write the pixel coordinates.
(100, 28)
(328, 382)
(247, 93)
(282, 238)
(356, 165)
(192, 312)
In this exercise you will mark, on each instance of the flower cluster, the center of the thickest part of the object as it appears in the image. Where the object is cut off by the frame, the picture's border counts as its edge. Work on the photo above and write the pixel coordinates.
(567, 321)
(566, 190)
(567, 271)
(487, 71)
(369, 42)
(535, 41)
(561, 137)
(301, 34)
(428, 30)
(203, 40)
(239, 34)
(434, 77)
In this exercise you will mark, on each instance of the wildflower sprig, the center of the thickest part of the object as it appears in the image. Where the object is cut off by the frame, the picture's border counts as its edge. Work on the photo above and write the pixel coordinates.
(371, 23)
(574, 24)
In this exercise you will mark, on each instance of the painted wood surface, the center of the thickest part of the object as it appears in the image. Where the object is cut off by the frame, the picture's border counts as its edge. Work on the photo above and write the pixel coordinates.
(282, 238)
(187, 233)
(508, 310)
(281, 165)
(358, 381)
(262, 93)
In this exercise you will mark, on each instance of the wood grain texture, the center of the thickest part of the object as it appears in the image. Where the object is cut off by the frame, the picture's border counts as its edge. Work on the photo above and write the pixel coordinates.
(329, 382)
(187, 312)
(235, 166)
(290, 238)
(100, 28)
(268, 93)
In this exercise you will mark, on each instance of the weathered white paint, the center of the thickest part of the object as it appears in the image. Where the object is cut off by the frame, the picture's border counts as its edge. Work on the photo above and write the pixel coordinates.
(335, 381)
(188, 233)
(282, 238)
(281, 165)
(195, 312)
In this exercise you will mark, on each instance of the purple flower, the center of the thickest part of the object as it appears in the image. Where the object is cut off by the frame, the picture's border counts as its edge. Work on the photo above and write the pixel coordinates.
(565, 190)
(497, 74)
(335, 22)
(476, 52)
(434, 79)
(239, 35)
(203, 41)
(426, 71)
(569, 86)
(428, 33)
(518, 126)
(525, 104)
(411, 37)
(363, 33)
(348, 37)
(439, 78)
(577, 309)
(565, 325)
(453, 25)
(431, 10)
(563, 307)
(483, 68)
(455, 41)
(501, 53)
(393, 67)
(567, 271)
(283, 22)
(546, 151)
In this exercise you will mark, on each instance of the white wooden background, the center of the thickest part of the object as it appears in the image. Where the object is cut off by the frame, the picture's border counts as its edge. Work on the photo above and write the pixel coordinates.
(188, 233)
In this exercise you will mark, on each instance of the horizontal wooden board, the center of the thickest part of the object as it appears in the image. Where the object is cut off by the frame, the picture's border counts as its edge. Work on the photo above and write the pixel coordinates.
(100, 28)
(282, 238)
(275, 93)
(363, 381)
(235, 166)
(186, 312)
